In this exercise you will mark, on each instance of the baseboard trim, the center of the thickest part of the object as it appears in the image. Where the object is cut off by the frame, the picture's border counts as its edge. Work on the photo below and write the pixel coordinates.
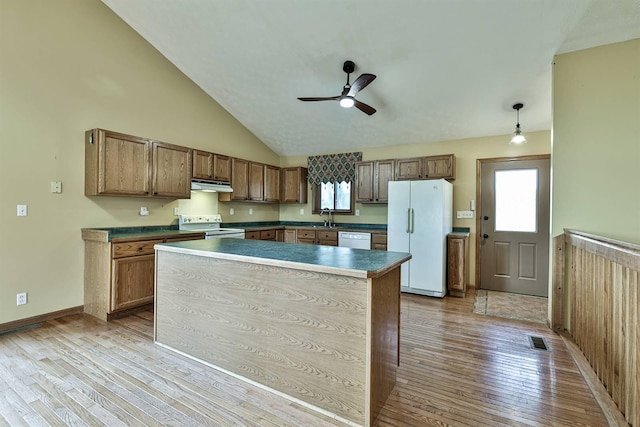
(22, 323)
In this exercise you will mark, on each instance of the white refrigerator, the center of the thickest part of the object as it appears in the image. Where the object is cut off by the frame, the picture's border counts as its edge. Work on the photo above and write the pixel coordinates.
(420, 215)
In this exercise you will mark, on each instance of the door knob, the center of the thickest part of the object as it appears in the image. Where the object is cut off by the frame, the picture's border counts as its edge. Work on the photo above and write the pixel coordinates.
(486, 236)
(485, 218)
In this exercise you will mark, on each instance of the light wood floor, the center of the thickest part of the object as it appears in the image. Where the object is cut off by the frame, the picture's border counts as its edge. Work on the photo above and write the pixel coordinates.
(457, 368)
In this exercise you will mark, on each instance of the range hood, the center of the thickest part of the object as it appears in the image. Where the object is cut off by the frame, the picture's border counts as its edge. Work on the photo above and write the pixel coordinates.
(212, 186)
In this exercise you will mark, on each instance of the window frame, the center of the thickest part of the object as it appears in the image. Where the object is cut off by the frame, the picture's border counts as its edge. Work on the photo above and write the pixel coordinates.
(315, 190)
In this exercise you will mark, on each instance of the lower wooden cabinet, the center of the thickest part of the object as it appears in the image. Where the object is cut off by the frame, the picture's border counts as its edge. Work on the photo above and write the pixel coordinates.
(457, 263)
(379, 241)
(251, 235)
(119, 275)
(132, 281)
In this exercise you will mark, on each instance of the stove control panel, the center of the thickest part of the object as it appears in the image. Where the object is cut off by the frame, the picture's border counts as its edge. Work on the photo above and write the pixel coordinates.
(199, 219)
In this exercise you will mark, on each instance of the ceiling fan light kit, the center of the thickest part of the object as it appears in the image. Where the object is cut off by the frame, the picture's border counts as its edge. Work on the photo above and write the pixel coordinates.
(518, 137)
(349, 91)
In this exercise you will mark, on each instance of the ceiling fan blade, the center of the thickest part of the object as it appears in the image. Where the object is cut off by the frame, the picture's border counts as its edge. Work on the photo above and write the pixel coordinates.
(331, 98)
(360, 83)
(364, 107)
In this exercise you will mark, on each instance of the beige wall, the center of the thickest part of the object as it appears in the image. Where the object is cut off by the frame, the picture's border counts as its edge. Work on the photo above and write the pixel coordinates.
(467, 151)
(66, 67)
(596, 141)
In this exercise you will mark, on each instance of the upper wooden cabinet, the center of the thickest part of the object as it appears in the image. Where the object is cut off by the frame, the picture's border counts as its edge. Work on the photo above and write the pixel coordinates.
(271, 184)
(211, 166)
(124, 165)
(239, 181)
(202, 165)
(372, 179)
(431, 167)
(407, 169)
(256, 182)
(171, 171)
(294, 185)
(436, 167)
(221, 168)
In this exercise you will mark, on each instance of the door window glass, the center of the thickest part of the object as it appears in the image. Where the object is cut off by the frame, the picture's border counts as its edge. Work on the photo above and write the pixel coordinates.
(516, 200)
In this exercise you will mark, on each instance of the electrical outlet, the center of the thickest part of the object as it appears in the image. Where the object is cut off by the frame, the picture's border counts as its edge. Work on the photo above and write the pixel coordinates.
(232, 211)
(250, 211)
(22, 210)
(301, 211)
(21, 298)
(357, 212)
(176, 211)
(464, 214)
(56, 187)
(144, 211)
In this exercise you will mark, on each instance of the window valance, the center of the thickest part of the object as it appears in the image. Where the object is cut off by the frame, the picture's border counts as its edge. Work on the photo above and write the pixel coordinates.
(332, 167)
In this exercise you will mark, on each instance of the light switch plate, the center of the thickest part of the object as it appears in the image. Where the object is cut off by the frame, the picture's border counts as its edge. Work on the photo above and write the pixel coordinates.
(22, 210)
(464, 214)
(144, 211)
(56, 187)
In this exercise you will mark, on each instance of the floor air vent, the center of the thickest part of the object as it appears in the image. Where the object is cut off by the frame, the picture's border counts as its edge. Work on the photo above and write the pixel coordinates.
(538, 343)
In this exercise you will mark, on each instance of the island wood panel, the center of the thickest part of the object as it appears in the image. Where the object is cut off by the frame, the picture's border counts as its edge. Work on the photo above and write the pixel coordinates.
(604, 315)
(301, 333)
(385, 336)
(97, 272)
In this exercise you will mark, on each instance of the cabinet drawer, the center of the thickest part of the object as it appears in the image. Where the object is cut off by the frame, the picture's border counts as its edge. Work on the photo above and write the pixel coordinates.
(145, 247)
(307, 241)
(252, 235)
(327, 235)
(378, 246)
(268, 235)
(306, 234)
(379, 238)
(328, 242)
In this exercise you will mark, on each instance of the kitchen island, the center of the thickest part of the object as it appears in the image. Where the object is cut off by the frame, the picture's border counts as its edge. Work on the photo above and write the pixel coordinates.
(316, 324)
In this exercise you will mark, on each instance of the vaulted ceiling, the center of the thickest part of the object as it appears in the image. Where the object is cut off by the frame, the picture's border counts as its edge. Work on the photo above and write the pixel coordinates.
(446, 69)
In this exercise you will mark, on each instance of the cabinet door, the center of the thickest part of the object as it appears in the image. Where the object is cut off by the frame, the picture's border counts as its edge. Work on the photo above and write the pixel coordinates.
(122, 164)
(384, 172)
(271, 184)
(436, 167)
(294, 185)
(256, 182)
(239, 179)
(132, 282)
(290, 236)
(457, 265)
(171, 171)
(409, 169)
(202, 165)
(221, 168)
(364, 182)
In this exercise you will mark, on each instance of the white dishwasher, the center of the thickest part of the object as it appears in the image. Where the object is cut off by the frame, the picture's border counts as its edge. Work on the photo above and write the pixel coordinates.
(353, 239)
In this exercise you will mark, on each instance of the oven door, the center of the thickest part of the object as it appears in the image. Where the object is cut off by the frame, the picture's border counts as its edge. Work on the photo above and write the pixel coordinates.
(218, 235)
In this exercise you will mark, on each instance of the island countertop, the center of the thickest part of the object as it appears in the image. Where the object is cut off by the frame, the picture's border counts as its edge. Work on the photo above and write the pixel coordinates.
(318, 258)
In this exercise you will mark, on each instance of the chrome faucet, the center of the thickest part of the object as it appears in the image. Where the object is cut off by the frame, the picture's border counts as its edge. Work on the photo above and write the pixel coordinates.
(322, 211)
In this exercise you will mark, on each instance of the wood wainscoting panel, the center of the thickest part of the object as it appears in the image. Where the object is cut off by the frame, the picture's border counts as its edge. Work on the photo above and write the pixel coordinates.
(300, 333)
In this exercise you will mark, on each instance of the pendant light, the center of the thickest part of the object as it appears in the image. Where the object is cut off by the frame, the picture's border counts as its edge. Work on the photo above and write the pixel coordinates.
(518, 137)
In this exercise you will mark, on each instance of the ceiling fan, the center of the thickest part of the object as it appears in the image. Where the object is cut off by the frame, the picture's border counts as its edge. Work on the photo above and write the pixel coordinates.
(347, 99)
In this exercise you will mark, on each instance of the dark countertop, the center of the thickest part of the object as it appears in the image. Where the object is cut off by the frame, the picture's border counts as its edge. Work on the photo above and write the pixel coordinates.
(121, 234)
(326, 259)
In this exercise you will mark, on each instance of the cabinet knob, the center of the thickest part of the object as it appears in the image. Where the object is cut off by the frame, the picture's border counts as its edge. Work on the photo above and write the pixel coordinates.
(155, 193)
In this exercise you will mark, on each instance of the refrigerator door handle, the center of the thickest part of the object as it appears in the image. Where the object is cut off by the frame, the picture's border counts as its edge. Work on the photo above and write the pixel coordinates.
(412, 214)
(408, 220)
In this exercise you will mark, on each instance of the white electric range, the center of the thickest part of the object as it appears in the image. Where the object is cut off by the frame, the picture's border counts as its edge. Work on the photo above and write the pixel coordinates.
(210, 225)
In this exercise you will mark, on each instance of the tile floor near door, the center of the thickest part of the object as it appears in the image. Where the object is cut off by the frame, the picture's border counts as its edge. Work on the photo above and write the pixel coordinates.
(512, 306)
(456, 368)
